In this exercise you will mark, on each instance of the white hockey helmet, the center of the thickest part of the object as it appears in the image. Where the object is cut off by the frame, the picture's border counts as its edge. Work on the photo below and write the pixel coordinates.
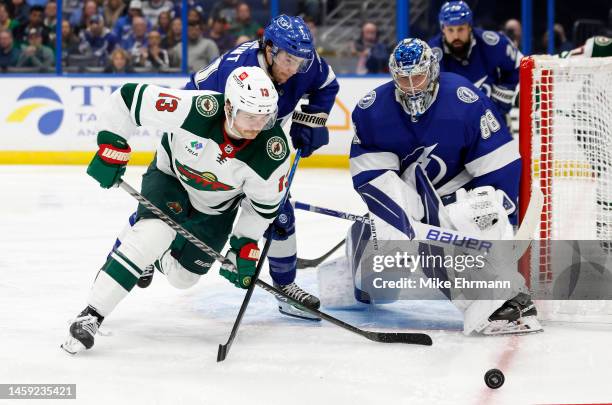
(250, 90)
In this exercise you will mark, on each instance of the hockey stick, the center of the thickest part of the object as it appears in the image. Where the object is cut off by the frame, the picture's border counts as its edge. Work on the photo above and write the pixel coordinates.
(383, 337)
(306, 263)
(224, 348)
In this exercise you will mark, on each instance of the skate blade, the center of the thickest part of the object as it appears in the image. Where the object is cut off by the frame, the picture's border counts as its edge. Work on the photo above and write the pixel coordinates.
(296, 313)
(524, 326)
(73, 346)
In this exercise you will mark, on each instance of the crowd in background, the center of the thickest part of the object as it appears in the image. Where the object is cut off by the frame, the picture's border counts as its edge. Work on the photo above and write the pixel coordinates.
(126, 36)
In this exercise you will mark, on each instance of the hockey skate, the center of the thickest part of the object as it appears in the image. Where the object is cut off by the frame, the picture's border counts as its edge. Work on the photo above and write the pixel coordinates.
(304, 298)
(82, 331)
(146, 277)
(516, 316)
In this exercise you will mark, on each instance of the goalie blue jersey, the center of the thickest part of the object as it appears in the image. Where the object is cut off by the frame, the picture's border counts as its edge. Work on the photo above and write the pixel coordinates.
(459, 141)
(318, 82)
(492, 65)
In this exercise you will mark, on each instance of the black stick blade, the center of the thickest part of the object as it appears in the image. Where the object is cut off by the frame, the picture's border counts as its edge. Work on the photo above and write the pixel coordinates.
(221, 353)
(398, 337)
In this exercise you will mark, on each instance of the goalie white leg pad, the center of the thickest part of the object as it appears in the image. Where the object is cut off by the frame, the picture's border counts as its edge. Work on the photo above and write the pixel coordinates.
(146, 241)
(178, 276)
(336, 285)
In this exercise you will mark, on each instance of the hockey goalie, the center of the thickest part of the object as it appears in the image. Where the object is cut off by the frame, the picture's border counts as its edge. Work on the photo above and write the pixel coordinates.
(430, 155)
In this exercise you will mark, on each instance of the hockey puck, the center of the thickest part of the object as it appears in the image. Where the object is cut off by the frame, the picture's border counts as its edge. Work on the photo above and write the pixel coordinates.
(494, 378)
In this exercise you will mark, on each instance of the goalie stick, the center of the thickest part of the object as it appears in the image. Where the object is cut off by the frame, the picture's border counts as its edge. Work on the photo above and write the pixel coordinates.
(521, 238)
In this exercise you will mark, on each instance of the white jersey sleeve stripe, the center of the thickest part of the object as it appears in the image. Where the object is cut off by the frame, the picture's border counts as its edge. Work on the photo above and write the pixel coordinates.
(331, 76)
(455, 183)
(495, 160)
(373, 161)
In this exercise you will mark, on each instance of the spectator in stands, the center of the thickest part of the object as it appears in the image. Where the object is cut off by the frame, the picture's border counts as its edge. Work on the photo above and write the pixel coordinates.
(37, 15)
(163, 24)
(97, 40)
(50, 21)
(174, 36)
(20, 11)
(562, 44)
(373, 55)
(80, 16)
(514, 31)
(36, 54)
(200, 51)
(201, 6)
(70, 41)
(225, 9)
(6, 22)
(9, 53)
(152, 8)
(242, 39)
(112, 11)
(155, 56)
(218, 32)
(136, 43)
(243, 25)
(194, 17)
(119, 62)
(123, 27)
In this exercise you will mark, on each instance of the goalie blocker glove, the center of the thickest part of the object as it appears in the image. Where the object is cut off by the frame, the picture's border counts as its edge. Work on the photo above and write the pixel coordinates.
(308, 131)
(244, 254)
(108, 164)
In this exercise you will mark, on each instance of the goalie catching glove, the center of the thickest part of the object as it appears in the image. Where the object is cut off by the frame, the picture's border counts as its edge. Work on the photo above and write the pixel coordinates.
(308, 131)
(244, 254)
(108, 164)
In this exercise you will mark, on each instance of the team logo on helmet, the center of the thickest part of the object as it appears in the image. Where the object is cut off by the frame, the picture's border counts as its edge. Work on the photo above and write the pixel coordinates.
(466, 95)
(490, 38)
(277, 148)
(284, 22)
(602, 41)
(367, 100)
(207, 105)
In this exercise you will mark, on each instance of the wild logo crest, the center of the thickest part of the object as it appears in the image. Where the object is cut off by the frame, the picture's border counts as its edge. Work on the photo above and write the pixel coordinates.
(205, 181)
(175, 207)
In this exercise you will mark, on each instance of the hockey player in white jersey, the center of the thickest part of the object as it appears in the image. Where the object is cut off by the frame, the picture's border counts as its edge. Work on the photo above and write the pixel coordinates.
(426, 125)
(220, 152)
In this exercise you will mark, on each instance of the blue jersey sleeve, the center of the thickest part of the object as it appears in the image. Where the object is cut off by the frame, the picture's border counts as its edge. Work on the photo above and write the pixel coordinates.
(508, 60)
(493, 158)
(323, 94)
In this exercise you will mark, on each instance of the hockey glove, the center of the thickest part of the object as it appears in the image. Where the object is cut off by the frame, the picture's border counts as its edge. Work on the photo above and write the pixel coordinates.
(284, 224)
(244, 254)
(308, 131)
(108, 164)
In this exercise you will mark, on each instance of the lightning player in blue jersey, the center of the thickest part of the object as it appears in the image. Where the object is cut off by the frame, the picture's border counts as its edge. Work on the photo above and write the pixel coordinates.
(486, 58)
(287, 53)
(429, 136)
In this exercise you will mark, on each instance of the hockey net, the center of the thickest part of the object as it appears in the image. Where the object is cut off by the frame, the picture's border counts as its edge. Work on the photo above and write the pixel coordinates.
(566, 147)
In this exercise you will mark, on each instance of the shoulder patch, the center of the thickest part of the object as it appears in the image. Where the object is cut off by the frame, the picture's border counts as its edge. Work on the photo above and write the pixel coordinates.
(207, 105)
(466, 95)
(367, 100)
(438, 53)
(276, 148)
(490, 38)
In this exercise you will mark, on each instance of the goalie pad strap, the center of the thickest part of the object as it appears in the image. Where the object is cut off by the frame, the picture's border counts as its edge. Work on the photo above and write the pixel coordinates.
(315, 120)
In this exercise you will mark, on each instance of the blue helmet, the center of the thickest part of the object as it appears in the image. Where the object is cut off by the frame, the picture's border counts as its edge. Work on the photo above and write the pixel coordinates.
(291, 34)
(455, 13)
(415, 71)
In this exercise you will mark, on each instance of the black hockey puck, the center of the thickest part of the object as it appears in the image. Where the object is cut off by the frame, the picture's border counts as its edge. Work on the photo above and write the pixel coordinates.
(494, 378)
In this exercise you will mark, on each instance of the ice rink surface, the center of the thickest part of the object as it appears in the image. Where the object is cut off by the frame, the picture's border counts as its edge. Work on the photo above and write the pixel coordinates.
(160, 345)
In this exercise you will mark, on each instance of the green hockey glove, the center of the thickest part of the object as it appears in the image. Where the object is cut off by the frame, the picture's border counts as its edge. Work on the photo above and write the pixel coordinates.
(244, 254)
(108, 164)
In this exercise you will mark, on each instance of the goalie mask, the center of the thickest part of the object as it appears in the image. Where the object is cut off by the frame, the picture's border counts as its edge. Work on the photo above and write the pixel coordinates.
(415, 72)
(252, 100)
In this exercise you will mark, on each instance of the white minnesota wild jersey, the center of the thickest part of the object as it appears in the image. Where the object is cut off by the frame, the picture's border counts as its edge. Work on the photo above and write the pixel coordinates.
(217, 173)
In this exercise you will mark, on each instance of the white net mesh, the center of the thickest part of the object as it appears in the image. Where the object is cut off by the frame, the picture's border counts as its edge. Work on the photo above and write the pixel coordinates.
(571, 162)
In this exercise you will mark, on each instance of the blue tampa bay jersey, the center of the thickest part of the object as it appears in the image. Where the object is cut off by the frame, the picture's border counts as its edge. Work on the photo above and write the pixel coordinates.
(318, 82)
(459, 141)
(492, 65)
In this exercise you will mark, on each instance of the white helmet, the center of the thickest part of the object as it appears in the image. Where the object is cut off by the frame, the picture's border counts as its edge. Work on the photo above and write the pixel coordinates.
(249, 89)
